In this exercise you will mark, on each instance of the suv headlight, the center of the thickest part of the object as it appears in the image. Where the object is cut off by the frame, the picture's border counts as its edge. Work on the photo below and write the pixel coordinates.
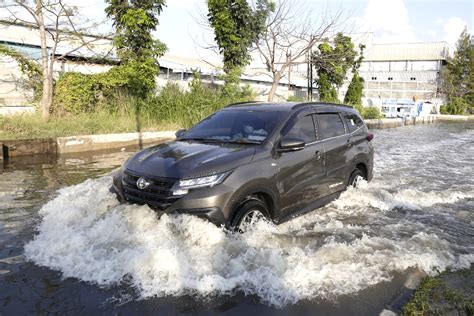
(184, 185)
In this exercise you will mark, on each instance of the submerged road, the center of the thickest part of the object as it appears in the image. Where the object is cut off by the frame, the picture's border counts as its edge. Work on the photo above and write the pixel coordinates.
(67, 246)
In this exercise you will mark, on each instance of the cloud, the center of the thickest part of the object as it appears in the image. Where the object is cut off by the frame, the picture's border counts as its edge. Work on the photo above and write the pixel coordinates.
(452, 29)
(431, 33)
(389, 21)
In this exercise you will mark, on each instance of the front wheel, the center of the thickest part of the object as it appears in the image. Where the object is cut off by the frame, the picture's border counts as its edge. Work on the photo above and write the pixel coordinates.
(250, 212)
(356, 178)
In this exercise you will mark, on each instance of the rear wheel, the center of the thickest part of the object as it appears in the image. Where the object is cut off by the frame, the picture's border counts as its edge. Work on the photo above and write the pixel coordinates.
(356, 177)
(248, 213)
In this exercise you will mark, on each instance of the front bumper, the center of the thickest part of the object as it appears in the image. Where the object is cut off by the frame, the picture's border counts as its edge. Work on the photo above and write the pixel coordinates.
(207, 203)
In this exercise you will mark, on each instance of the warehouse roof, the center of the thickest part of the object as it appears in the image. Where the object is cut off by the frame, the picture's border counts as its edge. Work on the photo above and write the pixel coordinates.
(407, 51)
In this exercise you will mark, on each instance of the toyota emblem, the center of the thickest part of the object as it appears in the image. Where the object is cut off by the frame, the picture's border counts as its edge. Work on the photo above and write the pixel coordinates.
(142, 184)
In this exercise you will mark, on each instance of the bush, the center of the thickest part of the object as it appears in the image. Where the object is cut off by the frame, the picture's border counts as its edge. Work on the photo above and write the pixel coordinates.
(456, 105)
(81, 93)
(294, 98)
(74, 93)
(371, 112)
(112, 92)
(175, 105)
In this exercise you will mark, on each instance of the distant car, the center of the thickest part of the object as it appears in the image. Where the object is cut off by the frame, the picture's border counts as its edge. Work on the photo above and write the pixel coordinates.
(252, 160)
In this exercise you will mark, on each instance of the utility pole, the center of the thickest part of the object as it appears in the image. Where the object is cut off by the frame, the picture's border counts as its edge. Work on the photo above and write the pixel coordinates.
(310, 76)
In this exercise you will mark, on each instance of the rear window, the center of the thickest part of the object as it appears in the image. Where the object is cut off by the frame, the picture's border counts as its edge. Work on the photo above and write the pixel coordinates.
(353, 121)
(330, 125)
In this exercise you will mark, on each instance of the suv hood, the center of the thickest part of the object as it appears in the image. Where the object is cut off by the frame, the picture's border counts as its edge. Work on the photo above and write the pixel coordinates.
(182, 159)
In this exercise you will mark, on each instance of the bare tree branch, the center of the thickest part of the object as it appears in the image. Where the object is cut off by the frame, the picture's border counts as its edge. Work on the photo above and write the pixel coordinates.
(291, 32)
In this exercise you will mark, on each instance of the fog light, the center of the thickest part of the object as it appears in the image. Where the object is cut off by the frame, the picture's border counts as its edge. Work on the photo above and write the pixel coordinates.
(180, 192)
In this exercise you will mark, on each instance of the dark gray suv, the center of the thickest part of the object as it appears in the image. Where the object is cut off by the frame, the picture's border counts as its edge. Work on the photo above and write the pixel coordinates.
(252, 160)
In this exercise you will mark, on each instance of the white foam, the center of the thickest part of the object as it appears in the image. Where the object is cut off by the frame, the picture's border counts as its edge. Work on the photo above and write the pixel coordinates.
(375, 195)
(85, 233)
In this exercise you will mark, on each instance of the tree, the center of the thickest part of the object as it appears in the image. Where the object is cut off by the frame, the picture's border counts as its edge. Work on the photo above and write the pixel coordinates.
(354, 91)
(332, 63)
(290, 33)
(134, 22)
(57, 23)
(237, 27)
(458, 77)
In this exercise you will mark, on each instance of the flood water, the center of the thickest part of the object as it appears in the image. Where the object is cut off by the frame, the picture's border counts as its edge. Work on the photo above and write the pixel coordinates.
(67, 245)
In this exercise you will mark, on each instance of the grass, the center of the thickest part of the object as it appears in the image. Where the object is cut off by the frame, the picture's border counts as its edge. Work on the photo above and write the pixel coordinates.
(434, 297)
(27, 126)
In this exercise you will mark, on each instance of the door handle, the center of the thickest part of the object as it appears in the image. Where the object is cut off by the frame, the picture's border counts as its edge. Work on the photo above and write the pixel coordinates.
(317, 154)
(349, 143)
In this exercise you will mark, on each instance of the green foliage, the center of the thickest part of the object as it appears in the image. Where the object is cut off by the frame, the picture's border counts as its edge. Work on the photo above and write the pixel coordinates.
(29, 68)
(434, 297)
(370, 112)
(355, 91)
(134, 22)
(456, 105)
(185, 108)
(136, 76)
(458, 77)
(332, 63)
(74, 93)
(356, 87)
(236, 27)
(79, 93)
(294, 98)
(327, 92)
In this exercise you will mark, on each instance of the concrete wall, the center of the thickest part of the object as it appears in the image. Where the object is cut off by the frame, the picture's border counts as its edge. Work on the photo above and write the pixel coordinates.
(455, 118)
(84, 143)
(397, 122)
(20, 147)
(74, 144)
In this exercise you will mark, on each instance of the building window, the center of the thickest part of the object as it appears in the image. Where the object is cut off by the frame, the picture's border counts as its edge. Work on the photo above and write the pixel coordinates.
(412, 78)
(390, 78)
(374, 78)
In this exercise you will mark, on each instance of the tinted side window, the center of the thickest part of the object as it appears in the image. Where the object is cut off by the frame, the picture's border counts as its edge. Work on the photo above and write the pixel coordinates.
(303, 129)
(353, 121)
(330, 125)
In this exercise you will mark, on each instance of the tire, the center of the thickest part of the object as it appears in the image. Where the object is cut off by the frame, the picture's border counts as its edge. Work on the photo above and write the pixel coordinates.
(249, 211)
(355, 177)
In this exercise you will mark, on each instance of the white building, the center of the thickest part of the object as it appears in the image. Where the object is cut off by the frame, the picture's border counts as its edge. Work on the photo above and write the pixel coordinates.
(400, 74)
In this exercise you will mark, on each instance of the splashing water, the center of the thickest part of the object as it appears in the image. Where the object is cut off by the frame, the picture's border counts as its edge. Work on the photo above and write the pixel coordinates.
(417, 212)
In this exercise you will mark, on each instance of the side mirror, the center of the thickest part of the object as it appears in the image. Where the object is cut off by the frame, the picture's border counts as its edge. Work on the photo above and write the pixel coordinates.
(291, 144)
(180, 132)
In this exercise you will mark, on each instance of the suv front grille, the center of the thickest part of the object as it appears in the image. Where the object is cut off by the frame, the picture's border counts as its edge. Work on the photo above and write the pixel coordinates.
(157, 195)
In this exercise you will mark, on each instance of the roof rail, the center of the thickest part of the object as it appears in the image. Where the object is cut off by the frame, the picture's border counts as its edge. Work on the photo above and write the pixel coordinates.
(332, 104)
(301, 104)
(243, 103)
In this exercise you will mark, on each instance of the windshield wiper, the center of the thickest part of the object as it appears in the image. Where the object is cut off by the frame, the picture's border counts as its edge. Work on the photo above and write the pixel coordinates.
(244, 141)
(203, 139)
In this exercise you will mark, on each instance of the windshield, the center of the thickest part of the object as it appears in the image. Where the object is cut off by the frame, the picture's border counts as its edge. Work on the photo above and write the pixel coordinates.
(235, 126)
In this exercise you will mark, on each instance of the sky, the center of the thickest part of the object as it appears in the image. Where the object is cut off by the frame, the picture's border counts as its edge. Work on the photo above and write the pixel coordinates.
(390, 21)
